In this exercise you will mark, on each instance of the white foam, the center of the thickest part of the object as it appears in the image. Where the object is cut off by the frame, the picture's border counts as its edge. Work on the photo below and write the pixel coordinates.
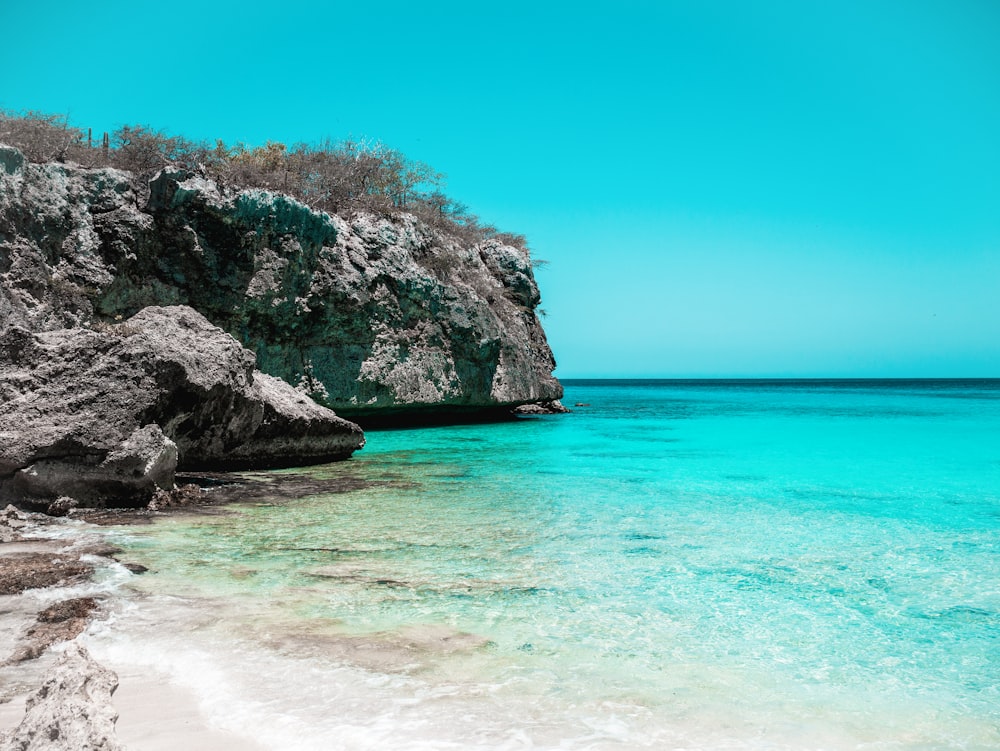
(305, 703)
(301, 692)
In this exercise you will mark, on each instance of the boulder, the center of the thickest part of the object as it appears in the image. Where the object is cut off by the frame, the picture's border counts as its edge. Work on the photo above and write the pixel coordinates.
(548, 407)
(71, 711)
(107, 415)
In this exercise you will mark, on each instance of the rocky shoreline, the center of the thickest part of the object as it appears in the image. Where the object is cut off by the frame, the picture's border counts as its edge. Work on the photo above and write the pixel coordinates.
(150, 325)
(48, 597)
(69, 699)
(105, 418)
(157, 326)
(376, 317)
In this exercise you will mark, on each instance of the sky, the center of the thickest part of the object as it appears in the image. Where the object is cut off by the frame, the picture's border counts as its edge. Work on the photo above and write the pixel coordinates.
(720, 188)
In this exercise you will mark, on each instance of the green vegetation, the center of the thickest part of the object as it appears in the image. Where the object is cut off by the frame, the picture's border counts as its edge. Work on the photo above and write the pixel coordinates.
(337, 177)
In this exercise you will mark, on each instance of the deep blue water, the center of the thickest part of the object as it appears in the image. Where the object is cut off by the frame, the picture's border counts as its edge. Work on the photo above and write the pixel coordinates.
(676, 564)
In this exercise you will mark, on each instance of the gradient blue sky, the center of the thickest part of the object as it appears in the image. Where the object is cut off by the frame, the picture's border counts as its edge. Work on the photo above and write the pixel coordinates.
(720, 188)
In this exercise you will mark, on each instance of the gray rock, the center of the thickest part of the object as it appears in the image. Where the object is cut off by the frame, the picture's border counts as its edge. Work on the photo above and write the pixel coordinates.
(11, 524)
(71, 711)
(549, 407)
(129, 472)
(366, 315)
(61, 506)
(108, 415)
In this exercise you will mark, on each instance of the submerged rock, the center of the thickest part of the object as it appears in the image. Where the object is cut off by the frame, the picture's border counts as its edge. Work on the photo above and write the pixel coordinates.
(106, 416)
(71, 711)
(548, 407)
(21, 571)
(376, 318)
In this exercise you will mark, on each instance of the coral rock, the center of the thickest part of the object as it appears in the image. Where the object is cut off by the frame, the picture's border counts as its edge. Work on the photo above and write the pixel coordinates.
(369, 316)
(72, 711)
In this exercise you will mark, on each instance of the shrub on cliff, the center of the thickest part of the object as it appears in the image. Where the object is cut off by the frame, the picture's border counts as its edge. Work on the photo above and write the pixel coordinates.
(333, 176)
(140, 149)
(40, 137)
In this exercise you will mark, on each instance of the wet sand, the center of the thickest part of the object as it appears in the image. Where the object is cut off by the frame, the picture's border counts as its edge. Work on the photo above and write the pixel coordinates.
(153, 715)
(156, 715)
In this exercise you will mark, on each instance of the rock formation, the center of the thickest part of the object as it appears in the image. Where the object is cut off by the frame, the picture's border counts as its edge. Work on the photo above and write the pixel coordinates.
(110, 413)
(374, 318)
(115, 296)
(26, 570)
(72, 711)
(57, 623)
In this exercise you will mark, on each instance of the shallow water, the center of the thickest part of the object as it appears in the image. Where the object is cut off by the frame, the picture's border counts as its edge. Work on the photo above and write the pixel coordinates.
(711, 565)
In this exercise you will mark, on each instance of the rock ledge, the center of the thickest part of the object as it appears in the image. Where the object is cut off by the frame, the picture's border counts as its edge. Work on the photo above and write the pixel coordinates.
(106, 416)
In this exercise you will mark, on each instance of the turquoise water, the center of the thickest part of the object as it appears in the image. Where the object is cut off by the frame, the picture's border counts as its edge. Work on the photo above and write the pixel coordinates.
(762, 565)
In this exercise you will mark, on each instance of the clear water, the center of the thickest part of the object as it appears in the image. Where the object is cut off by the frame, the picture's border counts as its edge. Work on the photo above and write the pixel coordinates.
(698, 565)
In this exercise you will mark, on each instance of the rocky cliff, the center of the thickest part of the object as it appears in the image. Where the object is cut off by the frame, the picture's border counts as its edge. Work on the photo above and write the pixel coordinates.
(380, 320)
(106, 416)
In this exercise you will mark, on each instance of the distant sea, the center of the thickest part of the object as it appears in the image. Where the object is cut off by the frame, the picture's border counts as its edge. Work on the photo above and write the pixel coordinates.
(674, 565)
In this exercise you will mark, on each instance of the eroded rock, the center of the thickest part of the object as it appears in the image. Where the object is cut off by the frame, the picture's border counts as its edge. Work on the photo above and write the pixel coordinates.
(11, 523)
(547, 407)
(62, 506)
(107, 416)
(71, 711)
(182, 495)
(21, 571)
(60, 622)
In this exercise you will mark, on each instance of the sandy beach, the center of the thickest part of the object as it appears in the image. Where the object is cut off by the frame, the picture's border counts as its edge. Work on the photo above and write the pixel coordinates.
(154, 714)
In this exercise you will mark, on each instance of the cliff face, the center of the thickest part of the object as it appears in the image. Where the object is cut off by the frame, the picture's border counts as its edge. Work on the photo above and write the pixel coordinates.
(377, 319)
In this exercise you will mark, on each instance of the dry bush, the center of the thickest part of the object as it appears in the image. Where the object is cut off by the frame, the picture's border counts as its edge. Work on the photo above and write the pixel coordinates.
(332, 176)
(40, 137)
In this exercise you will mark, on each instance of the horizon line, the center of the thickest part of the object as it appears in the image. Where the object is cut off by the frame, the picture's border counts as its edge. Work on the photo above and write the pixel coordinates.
(563, 379)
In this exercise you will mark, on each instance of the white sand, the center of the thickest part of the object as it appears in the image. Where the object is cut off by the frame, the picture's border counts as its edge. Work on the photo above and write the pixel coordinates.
(153, 715)
(156, 715)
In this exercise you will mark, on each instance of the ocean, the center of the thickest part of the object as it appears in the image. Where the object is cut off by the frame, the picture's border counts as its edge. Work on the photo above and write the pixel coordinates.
(673, 565)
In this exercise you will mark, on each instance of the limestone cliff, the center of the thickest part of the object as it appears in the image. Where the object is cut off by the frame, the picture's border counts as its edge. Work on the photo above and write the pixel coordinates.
(374, 318)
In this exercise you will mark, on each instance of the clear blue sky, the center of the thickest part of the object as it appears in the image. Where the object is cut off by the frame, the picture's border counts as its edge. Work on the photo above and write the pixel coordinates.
(720, 188)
